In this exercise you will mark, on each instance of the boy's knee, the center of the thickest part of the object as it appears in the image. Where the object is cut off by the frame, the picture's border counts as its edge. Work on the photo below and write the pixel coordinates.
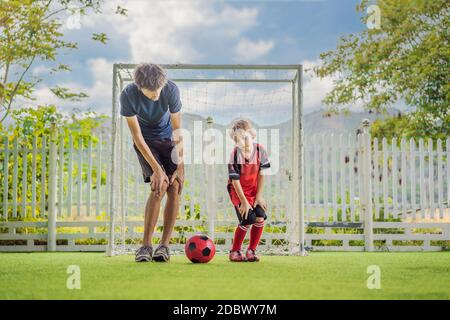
(259, 219)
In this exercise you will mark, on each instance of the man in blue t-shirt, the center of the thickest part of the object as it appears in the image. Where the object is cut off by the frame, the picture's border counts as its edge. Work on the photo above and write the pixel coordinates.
(151, 105)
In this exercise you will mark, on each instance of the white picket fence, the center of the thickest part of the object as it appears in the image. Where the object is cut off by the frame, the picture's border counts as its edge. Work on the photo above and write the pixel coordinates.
(410, 181)
(396, 198)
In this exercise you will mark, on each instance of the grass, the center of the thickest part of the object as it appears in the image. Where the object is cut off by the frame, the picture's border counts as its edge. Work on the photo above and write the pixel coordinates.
(319, 276)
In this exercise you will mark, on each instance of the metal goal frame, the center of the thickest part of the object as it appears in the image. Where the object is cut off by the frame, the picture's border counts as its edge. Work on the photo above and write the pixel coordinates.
(121, 74)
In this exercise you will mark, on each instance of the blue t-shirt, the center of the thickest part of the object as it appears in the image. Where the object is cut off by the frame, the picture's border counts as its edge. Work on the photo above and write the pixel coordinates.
(153, 116)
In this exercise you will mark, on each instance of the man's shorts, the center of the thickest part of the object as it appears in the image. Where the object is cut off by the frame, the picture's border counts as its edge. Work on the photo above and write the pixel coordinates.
(256, 212)
(162, 151)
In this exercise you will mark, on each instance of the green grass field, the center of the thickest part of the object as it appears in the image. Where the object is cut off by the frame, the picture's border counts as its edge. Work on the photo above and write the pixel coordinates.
(319, 276)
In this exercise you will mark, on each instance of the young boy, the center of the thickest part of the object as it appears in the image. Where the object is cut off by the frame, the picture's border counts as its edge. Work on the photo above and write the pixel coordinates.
(245, 186)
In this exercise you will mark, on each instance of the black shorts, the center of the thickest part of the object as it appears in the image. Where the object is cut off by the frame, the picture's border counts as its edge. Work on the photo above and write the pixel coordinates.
(256, 212)
(162, 151)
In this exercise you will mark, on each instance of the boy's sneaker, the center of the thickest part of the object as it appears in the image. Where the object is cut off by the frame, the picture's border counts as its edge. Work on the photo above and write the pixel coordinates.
(144, 254)
(237, 256)
(251, 256)
(162, 254)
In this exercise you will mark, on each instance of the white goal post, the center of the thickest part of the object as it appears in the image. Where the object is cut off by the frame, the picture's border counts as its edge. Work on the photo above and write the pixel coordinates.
(202, 85)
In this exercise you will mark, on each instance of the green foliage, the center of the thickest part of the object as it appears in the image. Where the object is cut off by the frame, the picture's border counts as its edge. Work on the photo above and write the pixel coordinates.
(65, 94)
(390, 128)
(406, 59)
(409, 125)
(101, 37)
(121, 11)
(31, 31)
(44, 120)
(38, 125)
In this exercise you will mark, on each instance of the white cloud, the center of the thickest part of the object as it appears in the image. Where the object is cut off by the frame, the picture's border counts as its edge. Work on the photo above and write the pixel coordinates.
(99, 93)
(40, 70)
(167, 31)
(248, 50)
(170, 32)
(315, 89)
(159, 31)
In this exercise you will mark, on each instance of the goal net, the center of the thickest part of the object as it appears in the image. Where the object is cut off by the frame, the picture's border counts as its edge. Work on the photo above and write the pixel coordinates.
(213, 96)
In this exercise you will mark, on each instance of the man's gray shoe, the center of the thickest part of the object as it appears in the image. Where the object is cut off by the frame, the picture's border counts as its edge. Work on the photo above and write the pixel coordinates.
(144, 254)
(162, 254)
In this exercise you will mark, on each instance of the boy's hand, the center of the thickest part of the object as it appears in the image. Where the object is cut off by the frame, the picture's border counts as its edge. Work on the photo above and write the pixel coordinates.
(261, 202)
(244, 208)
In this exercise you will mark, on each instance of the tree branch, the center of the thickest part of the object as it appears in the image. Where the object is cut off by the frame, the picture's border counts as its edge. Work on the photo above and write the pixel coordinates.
(11, 99)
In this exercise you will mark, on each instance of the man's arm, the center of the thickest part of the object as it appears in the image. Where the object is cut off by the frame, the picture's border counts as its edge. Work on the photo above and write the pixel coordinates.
(175, 118)
(178, 175)
(138, 139)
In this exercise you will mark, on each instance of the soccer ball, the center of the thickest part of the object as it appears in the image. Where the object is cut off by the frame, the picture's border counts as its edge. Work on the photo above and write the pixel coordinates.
(200, 249)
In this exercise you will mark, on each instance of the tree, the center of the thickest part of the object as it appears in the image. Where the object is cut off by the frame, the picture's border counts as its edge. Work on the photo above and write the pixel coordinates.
(405, 59)
(31, 30)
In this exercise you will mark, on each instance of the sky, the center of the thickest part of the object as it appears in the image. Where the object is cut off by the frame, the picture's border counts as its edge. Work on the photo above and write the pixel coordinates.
(198, 31)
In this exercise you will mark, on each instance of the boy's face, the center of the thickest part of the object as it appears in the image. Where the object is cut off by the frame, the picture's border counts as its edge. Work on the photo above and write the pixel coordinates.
(244, 141)
(152, 95)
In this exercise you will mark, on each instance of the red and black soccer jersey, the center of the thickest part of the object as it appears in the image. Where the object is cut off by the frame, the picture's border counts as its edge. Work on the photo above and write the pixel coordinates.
(246, 171)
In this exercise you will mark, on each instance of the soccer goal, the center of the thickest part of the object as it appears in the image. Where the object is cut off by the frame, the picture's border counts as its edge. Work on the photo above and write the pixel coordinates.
(270, 96)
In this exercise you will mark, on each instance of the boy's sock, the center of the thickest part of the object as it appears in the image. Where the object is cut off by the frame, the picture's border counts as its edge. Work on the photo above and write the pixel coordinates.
(255, 234)
(239, 236)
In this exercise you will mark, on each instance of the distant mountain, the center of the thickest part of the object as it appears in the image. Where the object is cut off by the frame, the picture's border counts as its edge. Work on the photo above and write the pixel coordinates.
(315, 123)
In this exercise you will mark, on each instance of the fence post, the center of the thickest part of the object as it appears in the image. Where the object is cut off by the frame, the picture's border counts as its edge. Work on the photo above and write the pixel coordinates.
(210, 183)
(52, 182)
(366, 199)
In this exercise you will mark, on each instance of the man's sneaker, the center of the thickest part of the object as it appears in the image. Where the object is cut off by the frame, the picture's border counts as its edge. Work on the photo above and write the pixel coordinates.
(144, 254)
(251, 256)
(237, 256)
(162, 254)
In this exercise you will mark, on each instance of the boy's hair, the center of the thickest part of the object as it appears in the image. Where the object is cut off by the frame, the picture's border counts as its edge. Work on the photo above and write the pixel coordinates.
(149, 76)
(241, 125)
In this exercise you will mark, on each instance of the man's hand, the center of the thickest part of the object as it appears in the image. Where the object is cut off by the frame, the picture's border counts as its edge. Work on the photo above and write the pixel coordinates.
(244, 208)
(261, 202)
(179, 176)
(157, 180)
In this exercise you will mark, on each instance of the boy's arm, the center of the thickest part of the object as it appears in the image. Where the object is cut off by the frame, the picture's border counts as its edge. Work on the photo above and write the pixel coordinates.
(264, 164)
(238, 188)
(234, 175)
(245, 206)
(259, 192)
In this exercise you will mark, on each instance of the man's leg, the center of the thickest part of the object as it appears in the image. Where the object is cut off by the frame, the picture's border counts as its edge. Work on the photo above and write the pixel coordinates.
(170, 211)
(152, 208)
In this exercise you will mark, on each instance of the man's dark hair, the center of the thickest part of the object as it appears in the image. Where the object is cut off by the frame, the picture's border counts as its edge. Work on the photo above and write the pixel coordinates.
(149, 76)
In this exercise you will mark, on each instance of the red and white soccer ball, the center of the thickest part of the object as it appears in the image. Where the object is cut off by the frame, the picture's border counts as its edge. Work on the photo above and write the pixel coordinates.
(200, 249)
